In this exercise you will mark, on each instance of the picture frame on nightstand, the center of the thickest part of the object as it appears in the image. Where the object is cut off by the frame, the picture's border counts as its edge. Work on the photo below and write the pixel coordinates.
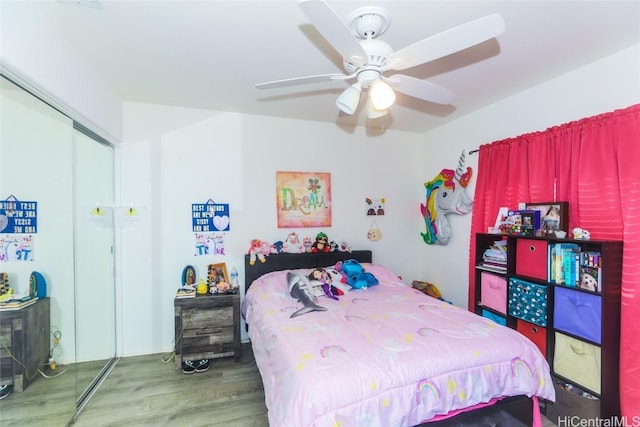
(217, 273)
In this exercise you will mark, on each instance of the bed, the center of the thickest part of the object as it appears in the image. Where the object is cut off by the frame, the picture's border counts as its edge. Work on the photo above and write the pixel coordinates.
(386, 355)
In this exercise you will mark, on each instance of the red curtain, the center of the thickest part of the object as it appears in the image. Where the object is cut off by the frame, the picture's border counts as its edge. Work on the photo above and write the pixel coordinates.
(594, 164)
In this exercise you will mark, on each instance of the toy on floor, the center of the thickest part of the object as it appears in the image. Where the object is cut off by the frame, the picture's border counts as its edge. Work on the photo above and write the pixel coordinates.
(428, 289)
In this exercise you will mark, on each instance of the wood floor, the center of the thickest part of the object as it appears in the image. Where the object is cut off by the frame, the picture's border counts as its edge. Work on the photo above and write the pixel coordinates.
(149, 391)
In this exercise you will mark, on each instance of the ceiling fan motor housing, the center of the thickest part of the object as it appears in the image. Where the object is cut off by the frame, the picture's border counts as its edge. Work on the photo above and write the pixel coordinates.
(377, 52)
(369, 22)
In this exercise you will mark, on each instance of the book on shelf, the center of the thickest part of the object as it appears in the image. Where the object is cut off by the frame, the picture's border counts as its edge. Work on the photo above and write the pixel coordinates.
(563, 263)
(591, 258)
(494, 268)
(590, 278)
(494, 258)
(186, 292)
(17, 303)
(570, 266)
(570, 262)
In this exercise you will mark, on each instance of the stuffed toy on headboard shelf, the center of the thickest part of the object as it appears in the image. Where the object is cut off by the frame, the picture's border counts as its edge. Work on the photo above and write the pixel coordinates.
(321, 244)
(258, 249)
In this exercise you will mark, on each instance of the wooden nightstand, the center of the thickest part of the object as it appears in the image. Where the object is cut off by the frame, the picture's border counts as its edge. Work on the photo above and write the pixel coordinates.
(207, 327)
(25, 332)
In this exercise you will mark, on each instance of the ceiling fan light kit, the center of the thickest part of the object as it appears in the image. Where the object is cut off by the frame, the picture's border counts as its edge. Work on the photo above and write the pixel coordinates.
(367, 58)
(348, 101)
(372, 112)
(381, 95)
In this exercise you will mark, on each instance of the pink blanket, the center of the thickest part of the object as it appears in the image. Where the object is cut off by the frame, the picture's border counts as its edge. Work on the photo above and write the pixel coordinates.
(385, 356)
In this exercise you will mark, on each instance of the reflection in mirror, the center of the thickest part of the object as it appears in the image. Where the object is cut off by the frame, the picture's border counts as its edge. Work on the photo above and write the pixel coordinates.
(43, 348)
(94, 260)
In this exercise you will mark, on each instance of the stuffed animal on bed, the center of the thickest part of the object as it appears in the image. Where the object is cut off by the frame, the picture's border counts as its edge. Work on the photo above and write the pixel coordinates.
(301, 289)
(325, 282)
(355, 274)
(338, 280)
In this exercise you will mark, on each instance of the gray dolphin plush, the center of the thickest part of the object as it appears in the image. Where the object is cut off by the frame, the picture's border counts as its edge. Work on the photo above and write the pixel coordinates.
(301, 289)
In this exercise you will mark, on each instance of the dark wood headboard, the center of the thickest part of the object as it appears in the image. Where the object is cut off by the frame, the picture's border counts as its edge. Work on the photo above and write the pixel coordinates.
(277, 262)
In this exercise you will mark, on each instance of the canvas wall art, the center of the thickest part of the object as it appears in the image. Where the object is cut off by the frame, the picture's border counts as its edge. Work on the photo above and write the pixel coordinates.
(303, 199)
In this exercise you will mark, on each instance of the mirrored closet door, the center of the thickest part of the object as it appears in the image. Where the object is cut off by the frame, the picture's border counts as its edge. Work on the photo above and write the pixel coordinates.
(54, 173)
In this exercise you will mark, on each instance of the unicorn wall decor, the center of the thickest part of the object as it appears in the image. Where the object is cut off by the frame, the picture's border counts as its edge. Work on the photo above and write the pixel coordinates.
(445, 195)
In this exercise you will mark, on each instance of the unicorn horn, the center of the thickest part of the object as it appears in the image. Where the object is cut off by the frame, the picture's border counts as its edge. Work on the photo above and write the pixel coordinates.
(460, 169)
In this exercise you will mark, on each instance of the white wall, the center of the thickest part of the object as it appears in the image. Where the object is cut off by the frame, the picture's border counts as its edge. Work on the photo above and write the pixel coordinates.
(33, 52)
(608, 84)
(173, 157)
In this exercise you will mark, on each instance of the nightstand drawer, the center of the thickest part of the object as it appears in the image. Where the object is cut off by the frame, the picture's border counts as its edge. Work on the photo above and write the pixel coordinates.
(577, 361)
(204, 341)
(207, 318)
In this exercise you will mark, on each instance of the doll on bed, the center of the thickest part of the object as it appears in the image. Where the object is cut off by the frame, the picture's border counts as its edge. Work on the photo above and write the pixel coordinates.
(321, 276)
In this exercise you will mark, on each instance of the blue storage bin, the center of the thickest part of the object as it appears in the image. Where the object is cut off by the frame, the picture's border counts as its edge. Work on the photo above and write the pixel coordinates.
(528, 301)
(500, 320)
(578, 313)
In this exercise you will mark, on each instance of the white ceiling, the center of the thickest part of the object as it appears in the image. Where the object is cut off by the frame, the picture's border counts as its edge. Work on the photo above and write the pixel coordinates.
(209, 54)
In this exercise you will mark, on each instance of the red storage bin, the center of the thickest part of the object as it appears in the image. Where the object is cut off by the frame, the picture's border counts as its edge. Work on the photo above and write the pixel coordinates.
(532, 256)
(537, 334)
(493, 292)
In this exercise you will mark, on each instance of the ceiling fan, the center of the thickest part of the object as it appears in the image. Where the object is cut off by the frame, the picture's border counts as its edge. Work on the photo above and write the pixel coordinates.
(367, 58)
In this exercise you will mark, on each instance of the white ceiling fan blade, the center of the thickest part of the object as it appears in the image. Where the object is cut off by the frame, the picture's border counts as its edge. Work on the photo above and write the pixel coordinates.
(334, 30)
(448, 42)
(421, 89)
(300, 80)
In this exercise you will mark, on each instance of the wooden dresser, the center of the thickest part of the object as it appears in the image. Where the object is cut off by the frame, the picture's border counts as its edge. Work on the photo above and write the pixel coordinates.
(207, 327)
(24, 343)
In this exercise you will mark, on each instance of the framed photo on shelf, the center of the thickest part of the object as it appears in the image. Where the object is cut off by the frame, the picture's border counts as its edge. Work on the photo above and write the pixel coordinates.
(218, 273)
(554, 216)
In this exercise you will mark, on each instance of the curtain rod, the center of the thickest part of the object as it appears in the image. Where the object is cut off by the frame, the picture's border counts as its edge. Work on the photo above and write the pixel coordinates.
(474, 151)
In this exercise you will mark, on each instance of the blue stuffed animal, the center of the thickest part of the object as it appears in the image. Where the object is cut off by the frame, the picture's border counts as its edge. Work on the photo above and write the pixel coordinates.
(356, 277)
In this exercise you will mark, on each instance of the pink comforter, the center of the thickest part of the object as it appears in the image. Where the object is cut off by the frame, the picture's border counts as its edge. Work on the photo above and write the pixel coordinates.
(383, 356)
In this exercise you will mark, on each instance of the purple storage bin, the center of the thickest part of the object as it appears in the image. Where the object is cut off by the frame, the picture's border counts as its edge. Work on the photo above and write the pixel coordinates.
(578, 313)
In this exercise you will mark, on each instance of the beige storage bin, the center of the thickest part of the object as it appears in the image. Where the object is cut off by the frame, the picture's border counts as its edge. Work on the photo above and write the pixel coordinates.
(577, 361)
